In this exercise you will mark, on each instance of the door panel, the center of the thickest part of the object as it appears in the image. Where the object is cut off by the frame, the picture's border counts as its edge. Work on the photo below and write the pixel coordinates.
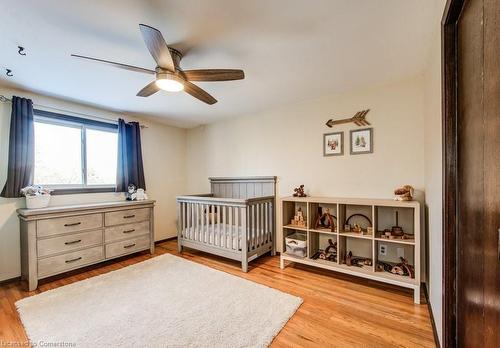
(470, 176)
(478, 173)
(491, 172)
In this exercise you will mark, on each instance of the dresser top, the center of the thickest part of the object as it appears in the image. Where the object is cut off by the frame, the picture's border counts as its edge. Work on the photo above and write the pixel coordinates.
(83, 207)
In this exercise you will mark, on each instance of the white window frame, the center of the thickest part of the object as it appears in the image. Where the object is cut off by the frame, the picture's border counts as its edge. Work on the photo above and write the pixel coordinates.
(41, 116)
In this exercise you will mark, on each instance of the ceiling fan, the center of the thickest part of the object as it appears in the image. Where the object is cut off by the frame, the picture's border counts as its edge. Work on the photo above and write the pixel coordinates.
(169, 75)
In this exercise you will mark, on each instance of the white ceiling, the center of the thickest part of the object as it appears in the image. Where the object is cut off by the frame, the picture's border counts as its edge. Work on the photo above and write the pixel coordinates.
(290, 50)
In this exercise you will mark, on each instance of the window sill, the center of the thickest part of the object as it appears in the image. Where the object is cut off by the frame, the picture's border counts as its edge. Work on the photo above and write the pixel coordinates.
(78, 190)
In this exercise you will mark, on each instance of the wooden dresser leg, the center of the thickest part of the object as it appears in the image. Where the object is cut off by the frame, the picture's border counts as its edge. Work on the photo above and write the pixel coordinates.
(282, 263)
(32, 283)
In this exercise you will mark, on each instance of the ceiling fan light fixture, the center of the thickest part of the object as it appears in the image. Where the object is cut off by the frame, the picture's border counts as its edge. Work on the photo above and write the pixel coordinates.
(169, 82)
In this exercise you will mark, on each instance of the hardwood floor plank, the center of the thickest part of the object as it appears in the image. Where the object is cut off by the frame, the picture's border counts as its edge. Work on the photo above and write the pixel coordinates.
(338, 310)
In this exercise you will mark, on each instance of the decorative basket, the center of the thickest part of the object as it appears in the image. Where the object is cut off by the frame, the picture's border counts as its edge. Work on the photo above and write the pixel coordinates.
(37, 202)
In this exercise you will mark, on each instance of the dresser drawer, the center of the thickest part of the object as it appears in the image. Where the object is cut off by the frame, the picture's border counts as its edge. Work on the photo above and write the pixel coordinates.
(115, 233)
(51, 227)
(75, 259)
(68, 242)
(127, 246)
(126, 216)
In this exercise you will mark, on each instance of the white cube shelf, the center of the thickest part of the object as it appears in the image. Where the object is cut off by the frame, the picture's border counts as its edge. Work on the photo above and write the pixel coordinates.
(379, 214)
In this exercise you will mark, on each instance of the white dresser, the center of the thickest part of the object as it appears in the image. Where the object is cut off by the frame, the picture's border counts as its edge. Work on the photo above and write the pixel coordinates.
(59, 239)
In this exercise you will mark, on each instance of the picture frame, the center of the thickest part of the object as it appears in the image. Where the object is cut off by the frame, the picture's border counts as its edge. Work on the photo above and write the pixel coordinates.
(333, 144)
(361, 141)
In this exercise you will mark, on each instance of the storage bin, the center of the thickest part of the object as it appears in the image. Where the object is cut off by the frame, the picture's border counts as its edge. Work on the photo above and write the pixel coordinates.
(37, 202)
(296, 250)
(296, 244)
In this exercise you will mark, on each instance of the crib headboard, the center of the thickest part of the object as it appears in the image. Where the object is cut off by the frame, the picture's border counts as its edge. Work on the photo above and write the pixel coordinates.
(243, 187)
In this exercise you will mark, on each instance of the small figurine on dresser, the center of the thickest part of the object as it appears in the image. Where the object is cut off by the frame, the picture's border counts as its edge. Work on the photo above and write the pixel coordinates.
(298, 219)
(299, 191)
(131, 193)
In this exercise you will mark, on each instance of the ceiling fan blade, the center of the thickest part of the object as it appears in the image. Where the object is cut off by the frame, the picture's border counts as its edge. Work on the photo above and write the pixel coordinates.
(199, 93)
(150, 89)
(214, 74)
(118, 65)
(157, 47)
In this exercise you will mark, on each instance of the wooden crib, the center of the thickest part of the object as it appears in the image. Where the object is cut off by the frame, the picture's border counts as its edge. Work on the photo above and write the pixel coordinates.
(236, 220)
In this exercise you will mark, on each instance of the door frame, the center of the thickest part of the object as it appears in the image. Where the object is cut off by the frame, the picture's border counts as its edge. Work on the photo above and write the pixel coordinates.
(449, 64)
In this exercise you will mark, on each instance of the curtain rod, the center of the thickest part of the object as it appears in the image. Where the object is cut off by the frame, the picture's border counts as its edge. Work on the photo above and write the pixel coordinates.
(4, 99)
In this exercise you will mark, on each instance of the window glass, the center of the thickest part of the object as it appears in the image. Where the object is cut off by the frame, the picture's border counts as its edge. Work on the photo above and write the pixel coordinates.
(102, 152)
(58, 155)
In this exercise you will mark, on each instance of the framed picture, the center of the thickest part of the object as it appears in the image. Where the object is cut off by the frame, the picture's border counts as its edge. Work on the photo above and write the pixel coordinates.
(361, 141)
(333, 144)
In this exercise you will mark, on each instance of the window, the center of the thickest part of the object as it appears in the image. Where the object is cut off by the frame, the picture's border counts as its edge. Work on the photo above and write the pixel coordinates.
(74, 154)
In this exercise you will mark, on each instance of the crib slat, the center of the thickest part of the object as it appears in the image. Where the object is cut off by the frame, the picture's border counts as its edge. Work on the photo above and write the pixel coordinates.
(266, 209)
(198, 222)
(207, 225)
(219, 239)
(184, 220)
(230, 227)
(262, 224)
(224, 229)
(212, 221)
(254, 232)
(237, 225)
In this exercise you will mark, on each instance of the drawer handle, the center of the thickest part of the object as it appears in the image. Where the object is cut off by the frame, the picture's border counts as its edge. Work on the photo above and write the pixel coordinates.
(129, 231)
(73, 242)
(129, 246)
(129, 216)
(73, 260)
(73, 224)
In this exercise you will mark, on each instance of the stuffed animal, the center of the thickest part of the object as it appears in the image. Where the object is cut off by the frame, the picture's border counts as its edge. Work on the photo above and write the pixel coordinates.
(404, 193)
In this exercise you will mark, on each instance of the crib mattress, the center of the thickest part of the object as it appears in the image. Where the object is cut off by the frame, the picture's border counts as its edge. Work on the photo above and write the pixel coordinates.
(209, 235)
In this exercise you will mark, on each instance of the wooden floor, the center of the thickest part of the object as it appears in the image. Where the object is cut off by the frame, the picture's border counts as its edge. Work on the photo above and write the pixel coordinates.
(338, 310)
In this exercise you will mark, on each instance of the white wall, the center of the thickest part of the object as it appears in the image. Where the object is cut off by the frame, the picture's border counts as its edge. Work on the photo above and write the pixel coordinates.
(433, 171)
(164, 154)
(288, 142)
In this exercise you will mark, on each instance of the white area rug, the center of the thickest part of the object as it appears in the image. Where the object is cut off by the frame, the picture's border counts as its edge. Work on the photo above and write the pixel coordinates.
(162, 302)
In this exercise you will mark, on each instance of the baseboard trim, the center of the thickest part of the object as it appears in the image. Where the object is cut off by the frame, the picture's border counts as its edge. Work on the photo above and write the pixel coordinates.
(431, 313)
(165, 240)
(10, 280)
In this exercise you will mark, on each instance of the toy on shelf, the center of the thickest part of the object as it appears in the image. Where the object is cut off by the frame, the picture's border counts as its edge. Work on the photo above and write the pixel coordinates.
(356, 228)
(298, 219)
(299, 191)
(403, 268)
(329, 254)
(404, 193)
(396, 232)
(325, 220)
(357, 261)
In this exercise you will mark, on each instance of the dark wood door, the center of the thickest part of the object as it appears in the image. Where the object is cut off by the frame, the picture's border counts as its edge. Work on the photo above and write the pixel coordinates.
(478, 175)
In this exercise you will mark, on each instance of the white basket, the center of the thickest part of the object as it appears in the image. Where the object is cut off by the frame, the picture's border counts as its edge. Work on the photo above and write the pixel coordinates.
(37, 202)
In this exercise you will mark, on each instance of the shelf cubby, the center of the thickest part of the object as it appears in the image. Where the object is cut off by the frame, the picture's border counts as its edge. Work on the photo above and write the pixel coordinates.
(351, 214)
(319, 241)
(324, 208)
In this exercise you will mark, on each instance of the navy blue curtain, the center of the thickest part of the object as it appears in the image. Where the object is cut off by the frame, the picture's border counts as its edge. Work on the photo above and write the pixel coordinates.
(130, 169)
(21, 148)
